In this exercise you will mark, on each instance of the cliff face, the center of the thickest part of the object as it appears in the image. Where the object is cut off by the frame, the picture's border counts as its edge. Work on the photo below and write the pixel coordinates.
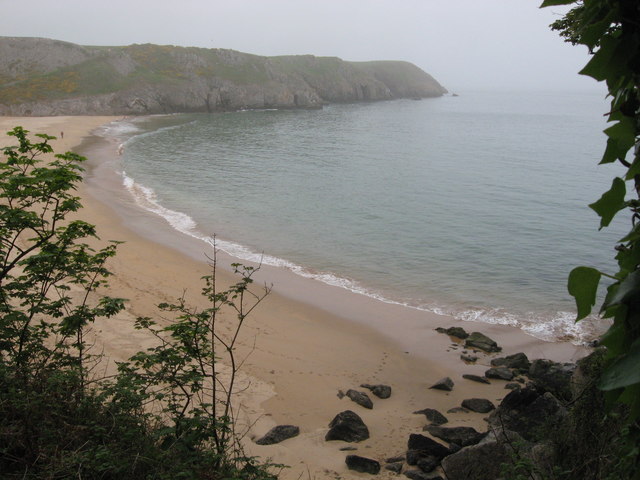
(43, 77)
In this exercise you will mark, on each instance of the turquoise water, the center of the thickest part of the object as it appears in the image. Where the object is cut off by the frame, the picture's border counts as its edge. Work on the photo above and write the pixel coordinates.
(473, 205)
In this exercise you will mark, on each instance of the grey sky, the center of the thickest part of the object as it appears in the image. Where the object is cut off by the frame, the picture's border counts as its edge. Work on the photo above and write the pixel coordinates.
(464, 44)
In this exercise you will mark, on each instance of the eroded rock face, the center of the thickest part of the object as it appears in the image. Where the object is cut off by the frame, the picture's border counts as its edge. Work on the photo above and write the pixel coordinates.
(347, 426)
(192, 80)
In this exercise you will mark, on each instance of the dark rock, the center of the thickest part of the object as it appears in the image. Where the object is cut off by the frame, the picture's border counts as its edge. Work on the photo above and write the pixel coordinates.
(395, 467)
(457, 410)
(517, 360)
(434, 416)
(417, 475)
(279, 433)
(360, 398)
(457, 332)
(476, 378)
(396, 459)
(480, 405)
(348, 449)
(462, 436)
(347, 426)
(380, 391)
(426, 447)
(443, 384)
(553, 377)
(528, 412)
(501, 373)
(482, 461)
(362, 464)
(512, 386)
(427, 464)
(469, 358)
(481, 341)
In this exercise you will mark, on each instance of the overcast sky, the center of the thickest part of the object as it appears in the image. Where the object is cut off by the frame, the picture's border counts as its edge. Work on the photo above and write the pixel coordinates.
(464, 44)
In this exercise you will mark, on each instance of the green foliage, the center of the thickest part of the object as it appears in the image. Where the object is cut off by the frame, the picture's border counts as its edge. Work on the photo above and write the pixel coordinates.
(47, 272)
(611, 31)
(181, 373)
(58, 419)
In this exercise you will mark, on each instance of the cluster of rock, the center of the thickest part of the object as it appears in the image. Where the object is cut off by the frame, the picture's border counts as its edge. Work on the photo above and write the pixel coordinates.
(516, 428)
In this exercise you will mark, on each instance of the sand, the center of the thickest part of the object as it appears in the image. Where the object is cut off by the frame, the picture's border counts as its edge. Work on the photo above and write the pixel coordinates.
(305, 342)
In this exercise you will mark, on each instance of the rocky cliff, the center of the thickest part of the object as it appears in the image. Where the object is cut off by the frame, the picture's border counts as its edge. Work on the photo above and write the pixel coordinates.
(43, 77)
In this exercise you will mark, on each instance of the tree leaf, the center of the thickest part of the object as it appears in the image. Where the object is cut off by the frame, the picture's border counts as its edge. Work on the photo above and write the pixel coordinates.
(611, 202)
(552, 3)
(583, 286)
(629, 289)
(623, 372)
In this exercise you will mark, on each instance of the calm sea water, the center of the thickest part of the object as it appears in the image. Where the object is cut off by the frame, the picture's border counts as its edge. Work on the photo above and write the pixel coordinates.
(474, 205)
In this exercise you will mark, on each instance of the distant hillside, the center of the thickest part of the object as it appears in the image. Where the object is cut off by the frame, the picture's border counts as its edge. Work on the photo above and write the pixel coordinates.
(48, 77)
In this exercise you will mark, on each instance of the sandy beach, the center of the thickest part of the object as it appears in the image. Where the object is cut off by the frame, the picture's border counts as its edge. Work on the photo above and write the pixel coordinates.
(306, 341)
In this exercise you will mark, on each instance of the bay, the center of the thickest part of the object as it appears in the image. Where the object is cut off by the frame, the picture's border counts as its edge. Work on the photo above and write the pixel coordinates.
(475, 206)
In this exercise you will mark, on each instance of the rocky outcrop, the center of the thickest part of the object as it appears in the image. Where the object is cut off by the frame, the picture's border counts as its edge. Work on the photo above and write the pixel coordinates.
(529, 412)
(49, 77)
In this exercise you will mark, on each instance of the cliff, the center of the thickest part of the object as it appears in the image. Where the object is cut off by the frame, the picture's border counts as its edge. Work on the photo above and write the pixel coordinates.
(44, 77)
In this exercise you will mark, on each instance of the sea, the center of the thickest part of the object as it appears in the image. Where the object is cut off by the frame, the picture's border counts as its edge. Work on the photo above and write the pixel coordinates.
(474, 206)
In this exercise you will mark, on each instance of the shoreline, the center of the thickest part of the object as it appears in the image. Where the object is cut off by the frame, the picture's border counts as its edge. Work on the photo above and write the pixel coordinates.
(307, 341)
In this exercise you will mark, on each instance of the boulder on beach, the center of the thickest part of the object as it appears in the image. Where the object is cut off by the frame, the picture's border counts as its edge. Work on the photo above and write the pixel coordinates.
(457, 332)
(279, 433)
(476, 378)
(462, 436)
(420, 446)
(362, 464)
(347, 426)
(433, 415)
(500, 373)
(480, 405)
(518, 361)
(445, 384)
(360, 398)
(482, 342)
(380, 391)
